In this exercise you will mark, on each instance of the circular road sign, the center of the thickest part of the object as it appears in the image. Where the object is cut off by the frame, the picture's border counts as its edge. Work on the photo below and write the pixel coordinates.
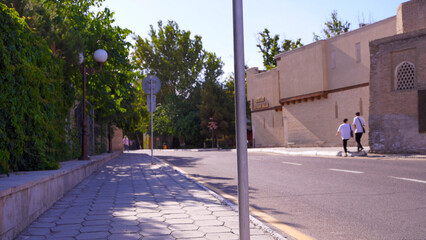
(151, 84)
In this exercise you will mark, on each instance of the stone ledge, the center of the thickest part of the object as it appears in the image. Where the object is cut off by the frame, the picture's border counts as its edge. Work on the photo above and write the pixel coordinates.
(24, 196)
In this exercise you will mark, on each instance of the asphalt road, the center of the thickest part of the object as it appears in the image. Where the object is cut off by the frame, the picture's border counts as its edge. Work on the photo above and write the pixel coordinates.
(325, 198)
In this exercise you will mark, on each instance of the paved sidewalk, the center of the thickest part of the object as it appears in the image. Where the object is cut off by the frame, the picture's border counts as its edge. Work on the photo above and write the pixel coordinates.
(336, 152)
(129, 198)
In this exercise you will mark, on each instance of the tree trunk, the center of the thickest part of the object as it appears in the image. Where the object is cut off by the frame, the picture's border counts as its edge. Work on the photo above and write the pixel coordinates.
(139, 141)
(109, 139)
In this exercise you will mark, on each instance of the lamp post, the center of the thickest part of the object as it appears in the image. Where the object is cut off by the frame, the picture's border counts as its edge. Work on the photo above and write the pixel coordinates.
(100, 56)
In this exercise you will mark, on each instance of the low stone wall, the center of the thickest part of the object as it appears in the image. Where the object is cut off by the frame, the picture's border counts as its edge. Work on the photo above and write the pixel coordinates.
(24, 196)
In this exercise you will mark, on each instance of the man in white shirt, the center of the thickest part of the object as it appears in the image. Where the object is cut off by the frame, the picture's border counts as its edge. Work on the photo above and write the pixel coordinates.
(359, 124)
(345, 131)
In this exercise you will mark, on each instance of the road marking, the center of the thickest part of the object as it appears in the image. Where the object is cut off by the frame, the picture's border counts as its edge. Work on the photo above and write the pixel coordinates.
(409, 179)
(292, 163)
(343, 170)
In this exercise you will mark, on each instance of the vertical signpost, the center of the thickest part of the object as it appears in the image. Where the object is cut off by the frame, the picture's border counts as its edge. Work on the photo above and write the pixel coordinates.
(151, 85)
(241, 120)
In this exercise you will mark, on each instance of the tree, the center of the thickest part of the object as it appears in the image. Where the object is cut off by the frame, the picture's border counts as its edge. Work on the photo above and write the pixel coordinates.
(333, 27)
(217, 102)
(70, 27)
(171, 55)
(182, 65)
(270, 47)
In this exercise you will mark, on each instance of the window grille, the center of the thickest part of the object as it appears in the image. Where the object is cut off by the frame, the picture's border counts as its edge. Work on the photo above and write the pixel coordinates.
(405, 76)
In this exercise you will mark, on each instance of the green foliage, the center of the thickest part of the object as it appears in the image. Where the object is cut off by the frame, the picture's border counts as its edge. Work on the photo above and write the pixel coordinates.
(333, 27)
(32, 110)
(270, 47)
(216, 100)
(173, 56)
(182, 65)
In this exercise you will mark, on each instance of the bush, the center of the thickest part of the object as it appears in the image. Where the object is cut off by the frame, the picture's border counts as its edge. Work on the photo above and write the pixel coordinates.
(32, 109)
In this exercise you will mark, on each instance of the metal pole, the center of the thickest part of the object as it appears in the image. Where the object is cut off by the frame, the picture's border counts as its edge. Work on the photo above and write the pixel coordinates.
(152, 129)
(241, 121)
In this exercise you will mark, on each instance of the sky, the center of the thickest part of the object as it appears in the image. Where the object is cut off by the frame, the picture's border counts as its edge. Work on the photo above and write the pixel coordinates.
(212, 20)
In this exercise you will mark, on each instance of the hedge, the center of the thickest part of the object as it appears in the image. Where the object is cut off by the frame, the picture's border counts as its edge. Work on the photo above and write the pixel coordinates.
(32, 107)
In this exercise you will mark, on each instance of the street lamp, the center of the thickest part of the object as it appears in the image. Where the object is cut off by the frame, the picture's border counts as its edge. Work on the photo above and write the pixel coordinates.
(100, 56)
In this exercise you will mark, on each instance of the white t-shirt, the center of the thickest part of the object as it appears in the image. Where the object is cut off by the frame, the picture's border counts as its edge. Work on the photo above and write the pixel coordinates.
(345, 130)
(358, 123)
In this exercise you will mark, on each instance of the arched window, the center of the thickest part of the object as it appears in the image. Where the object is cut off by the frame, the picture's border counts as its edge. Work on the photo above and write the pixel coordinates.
(405, 75)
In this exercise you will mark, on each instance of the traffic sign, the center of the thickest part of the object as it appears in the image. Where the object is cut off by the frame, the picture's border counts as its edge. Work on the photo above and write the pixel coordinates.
(152, 103)
(151, 84)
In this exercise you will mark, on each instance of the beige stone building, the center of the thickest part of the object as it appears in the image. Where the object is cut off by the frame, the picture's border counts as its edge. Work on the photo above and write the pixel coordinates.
(313, 88)
(398, 85)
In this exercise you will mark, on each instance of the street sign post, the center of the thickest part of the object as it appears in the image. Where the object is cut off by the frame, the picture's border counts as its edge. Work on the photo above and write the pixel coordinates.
(151, 85)
(241, 121)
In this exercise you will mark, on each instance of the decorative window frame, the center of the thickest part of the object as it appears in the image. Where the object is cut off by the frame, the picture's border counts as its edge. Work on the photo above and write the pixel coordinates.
(405, 80)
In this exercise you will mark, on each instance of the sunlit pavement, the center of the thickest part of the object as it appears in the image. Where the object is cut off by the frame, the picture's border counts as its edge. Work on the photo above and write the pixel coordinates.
(128, 198)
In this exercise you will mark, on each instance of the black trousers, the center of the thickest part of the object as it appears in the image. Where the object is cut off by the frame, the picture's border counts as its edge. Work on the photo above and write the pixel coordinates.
(358, 140)
(345, 144)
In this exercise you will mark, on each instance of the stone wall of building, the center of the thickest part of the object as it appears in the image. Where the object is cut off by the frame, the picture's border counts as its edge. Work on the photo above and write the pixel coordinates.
(394, 113)
(117, 140)
(315, 122)
(268, 128)
(411, 16)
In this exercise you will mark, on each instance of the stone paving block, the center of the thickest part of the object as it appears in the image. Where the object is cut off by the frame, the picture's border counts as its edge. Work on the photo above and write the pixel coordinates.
(125, 236)
(148, 210)
(124, 218)
(155, 231)
(188, 234)
(30, 238)
(37, 231)
(183, 227)
(99, 217)
(124, 223)
(70, 221)
(219, 208)
(47, 219)
(190, 239)
(225, 213)
(37, 224)
(158, 238)
(172, 211)
(180, 221)
(65, 227)
(195, 208)
(61, 234)
(260, 237)
(96, 222)
(214, 229)
(125, 229)
(211, 222)
(149, 214)
(61, 238)
(175, 216)
(100, 228)
(221, 236)
(94, 235)
(124, 213)
(203, 217)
